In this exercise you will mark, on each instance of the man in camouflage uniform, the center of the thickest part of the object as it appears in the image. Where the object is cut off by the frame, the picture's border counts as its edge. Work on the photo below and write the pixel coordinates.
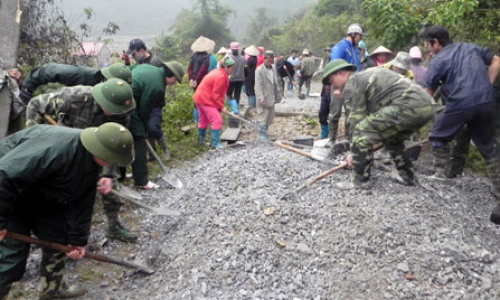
(85, 106)
(386, 108)
(48, 181)
(69, 75)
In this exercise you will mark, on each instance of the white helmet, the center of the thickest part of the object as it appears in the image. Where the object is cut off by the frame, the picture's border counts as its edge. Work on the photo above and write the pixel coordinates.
(355, 28)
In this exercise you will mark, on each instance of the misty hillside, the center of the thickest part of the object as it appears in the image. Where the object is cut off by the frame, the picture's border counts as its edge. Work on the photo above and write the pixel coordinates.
(148, 19)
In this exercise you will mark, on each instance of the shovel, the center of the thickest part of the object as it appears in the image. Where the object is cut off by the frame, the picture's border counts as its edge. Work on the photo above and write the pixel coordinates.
(298, 151)
(90, 255)
(166, 174)
(250, 124)
(135, 198)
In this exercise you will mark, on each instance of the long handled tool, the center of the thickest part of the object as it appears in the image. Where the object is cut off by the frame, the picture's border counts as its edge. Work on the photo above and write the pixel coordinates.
(64, 248)
(321, 176)
(166, 174)
(251, 124)
(135, 198)
(298, 151)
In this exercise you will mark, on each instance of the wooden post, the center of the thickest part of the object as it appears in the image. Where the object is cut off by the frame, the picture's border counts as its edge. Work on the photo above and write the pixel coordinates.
(10, 18)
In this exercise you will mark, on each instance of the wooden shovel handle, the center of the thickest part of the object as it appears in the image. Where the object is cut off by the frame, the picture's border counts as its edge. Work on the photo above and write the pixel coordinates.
(298, 151)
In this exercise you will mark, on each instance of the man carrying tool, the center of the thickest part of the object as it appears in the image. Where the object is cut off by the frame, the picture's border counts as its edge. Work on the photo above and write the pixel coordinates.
(85, 106)
(69, 75)
(346, 49)
(386, 108)
(48, 181)
(148, 85)
(137, 49)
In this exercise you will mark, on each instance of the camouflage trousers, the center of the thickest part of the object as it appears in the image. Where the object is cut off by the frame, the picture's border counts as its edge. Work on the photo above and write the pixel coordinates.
(112, 204)
(390, 126)
(13, 259)
(334, 118)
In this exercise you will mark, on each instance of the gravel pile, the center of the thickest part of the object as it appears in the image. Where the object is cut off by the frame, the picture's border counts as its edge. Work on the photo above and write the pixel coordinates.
(240, 238)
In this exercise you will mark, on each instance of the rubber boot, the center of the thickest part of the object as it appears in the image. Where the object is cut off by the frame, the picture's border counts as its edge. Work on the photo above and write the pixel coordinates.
(196, 116)
(441, 155)
(117, 231)
(201, 137)
(308, 91)
(234, 106)
(404, 166)
(493, 168)
(164, 149)
(324, 131)
(215, 139)
(52, 282)
(252, 101)
(362, 161)
(262, 133)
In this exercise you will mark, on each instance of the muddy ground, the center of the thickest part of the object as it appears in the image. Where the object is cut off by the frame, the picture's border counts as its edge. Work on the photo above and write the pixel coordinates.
(244, 234)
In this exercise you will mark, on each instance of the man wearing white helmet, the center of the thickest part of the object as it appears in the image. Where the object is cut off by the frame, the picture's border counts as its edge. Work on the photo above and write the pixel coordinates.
(346, 49)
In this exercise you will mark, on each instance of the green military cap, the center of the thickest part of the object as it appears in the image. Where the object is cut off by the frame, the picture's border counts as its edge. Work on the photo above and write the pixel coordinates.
(117, 71)
(175, 68)
(334, 66)
(110, 142)
(114, 96)
(227, 61)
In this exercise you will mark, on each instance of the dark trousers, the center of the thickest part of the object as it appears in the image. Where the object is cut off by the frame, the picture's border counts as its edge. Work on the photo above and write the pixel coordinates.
(140, 163)
(155, 123)
(234, 90)
(324, 109)
(480, 123)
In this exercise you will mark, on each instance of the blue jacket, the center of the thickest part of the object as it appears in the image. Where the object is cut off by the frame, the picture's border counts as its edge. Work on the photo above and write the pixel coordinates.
(462, 70)
(346, 51)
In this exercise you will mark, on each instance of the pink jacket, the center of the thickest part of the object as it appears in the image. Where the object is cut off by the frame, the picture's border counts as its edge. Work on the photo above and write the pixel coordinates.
(212, 89)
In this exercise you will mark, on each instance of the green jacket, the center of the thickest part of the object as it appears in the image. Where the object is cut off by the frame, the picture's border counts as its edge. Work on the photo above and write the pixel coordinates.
(148, 85)
(48, 165)
(72, 107)
(64, 74)
(307, 66)
(368, 91)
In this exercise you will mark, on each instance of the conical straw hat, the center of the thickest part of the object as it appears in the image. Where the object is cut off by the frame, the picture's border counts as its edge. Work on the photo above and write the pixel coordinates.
(222, 50)
(381, 49)
(252, 51)
(203, 44)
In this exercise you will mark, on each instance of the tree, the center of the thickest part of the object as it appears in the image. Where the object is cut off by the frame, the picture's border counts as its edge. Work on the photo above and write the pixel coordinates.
(167, 48)
(207, 18)
(257, 31)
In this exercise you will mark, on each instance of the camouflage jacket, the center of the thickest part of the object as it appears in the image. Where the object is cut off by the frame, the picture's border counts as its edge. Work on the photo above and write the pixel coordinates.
(70, 107)
(368, 91)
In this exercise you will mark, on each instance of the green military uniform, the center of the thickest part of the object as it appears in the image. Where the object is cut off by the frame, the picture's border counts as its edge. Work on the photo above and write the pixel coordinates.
(148, 85)
(47, 186)
(75, 107)
(384, 108)
(69, 75)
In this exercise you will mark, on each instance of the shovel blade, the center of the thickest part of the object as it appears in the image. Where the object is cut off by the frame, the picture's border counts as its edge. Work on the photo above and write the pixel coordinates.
(171, 179)
(130, 192)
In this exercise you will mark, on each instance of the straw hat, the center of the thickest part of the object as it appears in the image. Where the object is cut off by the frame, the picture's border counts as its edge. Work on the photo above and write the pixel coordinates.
(381, 49)
(222, 51)
(252, 51)
(203, 44)
(306, 52)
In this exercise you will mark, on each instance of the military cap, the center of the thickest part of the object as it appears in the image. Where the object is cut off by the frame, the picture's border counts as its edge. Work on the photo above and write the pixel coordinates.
(110, 142)
(120, 71)
(115, 96)
(334, 66)
(175, 68)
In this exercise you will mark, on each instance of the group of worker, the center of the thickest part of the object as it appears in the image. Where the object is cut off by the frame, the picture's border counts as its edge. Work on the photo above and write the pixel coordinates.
(384, 108)
(74, 143)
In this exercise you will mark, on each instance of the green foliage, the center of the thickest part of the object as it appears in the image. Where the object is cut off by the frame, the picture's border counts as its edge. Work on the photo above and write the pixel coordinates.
(178, 111)
(394, 22)
(337, 7)
(258, 30)
(207, 18)
(475, 161)
(167, 47)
